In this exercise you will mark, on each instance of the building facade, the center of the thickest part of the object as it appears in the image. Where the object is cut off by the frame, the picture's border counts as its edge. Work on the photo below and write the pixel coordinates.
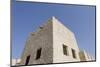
(51, 43)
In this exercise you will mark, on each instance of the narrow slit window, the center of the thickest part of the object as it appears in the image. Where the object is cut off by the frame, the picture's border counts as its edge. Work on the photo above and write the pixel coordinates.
(73, 53)
(38, 53)
(65, 50)
(27, 60)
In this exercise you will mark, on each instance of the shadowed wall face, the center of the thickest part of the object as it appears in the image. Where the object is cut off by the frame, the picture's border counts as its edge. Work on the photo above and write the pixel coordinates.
(39, 46)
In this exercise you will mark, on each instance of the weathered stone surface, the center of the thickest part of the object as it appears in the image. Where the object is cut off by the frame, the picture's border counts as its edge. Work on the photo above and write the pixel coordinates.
(50, 38)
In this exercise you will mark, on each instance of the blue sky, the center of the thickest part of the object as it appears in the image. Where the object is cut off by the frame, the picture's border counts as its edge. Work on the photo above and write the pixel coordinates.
(27, 17)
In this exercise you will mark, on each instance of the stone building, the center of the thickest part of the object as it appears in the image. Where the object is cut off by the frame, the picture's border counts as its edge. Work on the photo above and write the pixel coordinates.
(51, 43)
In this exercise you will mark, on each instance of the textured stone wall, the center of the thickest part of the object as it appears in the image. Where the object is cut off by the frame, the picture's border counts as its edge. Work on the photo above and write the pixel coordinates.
(43, 39)
(62, 35)
(50, 38)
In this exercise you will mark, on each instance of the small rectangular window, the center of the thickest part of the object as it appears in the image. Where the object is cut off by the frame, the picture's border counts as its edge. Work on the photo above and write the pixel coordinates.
(38, 53)
(65, 50)
(73, 53)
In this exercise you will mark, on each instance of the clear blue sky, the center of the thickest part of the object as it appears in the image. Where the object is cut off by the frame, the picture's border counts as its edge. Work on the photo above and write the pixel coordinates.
(27, 17)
